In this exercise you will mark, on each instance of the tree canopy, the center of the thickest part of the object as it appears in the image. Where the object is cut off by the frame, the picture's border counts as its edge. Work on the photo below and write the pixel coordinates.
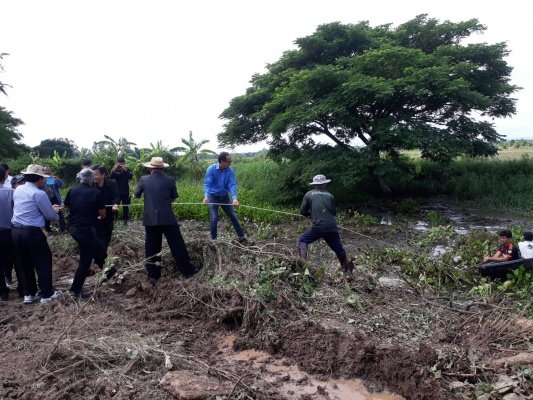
(414, 86)
(9, 135)
(64, 147)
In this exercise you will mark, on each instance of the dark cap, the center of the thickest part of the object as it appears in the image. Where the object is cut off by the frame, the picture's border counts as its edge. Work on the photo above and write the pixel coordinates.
(18, 179)
(121, 160)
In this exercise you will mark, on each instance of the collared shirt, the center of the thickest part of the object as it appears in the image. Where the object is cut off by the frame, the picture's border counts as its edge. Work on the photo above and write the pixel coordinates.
(220, 182)
(31, 206)
(84, 201)
(6, 207)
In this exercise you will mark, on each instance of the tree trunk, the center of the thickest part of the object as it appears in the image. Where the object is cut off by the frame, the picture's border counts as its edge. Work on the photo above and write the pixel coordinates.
(385, 189)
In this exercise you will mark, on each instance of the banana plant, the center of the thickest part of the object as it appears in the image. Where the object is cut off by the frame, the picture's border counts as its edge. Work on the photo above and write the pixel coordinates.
(192, 150)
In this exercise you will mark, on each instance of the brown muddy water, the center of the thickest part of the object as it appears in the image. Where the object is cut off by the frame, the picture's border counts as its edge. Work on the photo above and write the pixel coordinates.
(292, 383)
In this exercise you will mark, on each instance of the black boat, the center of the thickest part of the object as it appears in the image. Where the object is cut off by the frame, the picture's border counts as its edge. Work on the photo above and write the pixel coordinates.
(501, 269)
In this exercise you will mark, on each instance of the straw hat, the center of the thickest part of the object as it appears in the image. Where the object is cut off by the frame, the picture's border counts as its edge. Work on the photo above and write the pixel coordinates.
(34, 169)
(156, 163)
(320, 180)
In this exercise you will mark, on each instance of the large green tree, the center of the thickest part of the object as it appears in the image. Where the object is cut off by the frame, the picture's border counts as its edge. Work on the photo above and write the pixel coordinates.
(64, 147)
(10, 147)
(414, 86)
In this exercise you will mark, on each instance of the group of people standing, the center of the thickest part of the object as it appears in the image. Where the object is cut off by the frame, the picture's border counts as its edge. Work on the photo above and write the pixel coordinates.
(93, 205)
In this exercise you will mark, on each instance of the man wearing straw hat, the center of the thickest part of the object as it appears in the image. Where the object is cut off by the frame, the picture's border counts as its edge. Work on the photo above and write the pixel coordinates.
(320, 205)
(159, 192)
(31, 207)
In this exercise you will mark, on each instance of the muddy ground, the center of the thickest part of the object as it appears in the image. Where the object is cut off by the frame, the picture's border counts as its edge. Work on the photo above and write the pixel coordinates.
(256, 323)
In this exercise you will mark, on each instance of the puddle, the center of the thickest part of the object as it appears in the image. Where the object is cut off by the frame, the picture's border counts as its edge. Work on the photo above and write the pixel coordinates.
(292, 383)
(439, 250)
(421, 226)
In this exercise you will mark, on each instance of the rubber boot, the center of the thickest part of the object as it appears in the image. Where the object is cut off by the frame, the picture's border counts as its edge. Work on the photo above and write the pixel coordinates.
(346, 265)
(302, 250)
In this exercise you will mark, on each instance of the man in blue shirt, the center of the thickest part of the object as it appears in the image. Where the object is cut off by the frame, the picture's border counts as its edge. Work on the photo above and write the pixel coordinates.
(31, 207)
(219, 184)
(51, 187)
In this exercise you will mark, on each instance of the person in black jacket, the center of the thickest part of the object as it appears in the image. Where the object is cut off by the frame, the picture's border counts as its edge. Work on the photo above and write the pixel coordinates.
(122, 176)
(108, 188)
(159, 192)
(86, 205)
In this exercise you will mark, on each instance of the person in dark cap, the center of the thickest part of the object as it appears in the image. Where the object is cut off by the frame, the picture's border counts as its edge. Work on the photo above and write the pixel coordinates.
(122, 175)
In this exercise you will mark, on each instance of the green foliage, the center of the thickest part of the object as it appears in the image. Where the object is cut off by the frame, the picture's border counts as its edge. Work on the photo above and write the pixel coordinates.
(10, 146)
(519, 283)
(416, 86)
(357, 219)
(274, 273)
(193, 151)
(193, 192)
(406, 207)
(437, 235)
(469, 250)
(64, 147)
(435, 218)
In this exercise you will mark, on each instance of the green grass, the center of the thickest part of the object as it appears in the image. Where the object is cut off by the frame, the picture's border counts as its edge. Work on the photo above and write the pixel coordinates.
(193, 192)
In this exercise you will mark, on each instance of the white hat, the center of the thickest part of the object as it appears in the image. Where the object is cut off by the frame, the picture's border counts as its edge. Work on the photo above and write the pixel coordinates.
(320, 180)
(156, 162)
(34, 169)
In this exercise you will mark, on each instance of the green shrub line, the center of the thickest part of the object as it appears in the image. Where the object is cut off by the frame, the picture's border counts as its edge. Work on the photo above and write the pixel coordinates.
(506, 185)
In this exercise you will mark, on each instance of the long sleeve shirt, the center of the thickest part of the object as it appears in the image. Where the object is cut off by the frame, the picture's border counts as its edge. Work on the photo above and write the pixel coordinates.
(31, 206)
(122, 177)
(6, 207)
(320, 205)
(220, 182)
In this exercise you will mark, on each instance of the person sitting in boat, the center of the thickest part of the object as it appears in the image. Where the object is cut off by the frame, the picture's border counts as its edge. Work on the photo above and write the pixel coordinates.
(526, 247)
(507, 251)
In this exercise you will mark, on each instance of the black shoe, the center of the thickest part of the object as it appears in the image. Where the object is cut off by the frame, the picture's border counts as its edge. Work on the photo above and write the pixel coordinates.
(80, 295)
(109, 274)
(4, 296)
(153, 281)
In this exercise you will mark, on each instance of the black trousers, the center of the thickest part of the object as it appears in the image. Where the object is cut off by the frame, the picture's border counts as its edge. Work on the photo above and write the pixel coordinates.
(103, 231)
(62, 223)
(91, 248)
(7, 260)
(154, 243)
(32, 254)
(126, 200)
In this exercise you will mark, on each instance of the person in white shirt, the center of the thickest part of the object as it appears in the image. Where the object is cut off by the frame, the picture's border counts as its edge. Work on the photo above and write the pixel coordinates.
(526, 247)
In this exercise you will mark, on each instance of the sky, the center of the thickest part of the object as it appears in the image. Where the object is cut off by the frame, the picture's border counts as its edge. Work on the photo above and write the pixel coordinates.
(155, 70)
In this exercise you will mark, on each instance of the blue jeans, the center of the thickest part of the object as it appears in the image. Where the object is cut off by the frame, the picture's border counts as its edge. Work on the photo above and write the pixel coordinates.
(230, 212)
(333, 239)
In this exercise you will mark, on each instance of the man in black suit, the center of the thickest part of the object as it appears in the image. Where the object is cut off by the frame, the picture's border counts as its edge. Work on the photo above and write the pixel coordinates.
(159, 192)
